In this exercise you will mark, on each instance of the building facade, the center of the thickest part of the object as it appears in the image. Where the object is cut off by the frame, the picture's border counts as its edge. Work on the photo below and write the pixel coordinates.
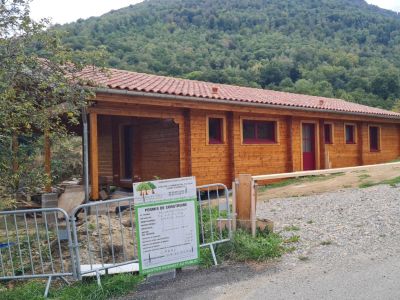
(144, 127)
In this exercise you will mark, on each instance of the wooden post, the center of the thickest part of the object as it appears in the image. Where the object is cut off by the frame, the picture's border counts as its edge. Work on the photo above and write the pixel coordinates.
(289, 149)
(94, 157)
(322, 152)
(361, 127)
(47, 160)
(243, 203)
(253, 205)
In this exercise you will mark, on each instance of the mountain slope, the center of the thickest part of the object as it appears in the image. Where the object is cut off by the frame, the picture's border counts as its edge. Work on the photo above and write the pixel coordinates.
(341, 48)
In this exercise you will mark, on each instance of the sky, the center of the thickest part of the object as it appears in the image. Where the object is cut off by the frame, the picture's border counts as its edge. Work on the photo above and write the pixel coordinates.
(388, 4)
(65, 11)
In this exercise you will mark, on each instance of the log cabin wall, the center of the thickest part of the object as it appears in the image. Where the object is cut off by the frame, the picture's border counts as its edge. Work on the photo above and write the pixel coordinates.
(339, 154)
(210, 163)
(159, 149)
(390, 144)
(105, 146)
(180, 148)
(258, 159)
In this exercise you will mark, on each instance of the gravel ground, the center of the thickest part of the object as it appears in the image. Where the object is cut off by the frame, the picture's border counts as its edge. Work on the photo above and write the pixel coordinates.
(336, 225)
(348, 248)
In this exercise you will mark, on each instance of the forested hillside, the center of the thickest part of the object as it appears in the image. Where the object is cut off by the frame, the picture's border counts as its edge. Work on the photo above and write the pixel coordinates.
(334, 48)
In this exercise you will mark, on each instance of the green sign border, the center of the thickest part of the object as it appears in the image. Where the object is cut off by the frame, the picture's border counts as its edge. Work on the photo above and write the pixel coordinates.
(174, 265)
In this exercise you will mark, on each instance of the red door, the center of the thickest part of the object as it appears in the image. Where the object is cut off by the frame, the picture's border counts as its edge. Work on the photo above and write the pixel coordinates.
(308, 147)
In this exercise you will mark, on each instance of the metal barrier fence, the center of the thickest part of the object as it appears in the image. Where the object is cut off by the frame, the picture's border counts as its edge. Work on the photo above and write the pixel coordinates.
(215, 216)
(99, 237)
(104, 237)
(36, 243)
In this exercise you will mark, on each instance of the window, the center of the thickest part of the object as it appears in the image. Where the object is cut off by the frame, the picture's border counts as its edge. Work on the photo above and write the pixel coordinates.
(215, 130)
(328, 134)
(259, 132)
(374, 138)
(350, 134)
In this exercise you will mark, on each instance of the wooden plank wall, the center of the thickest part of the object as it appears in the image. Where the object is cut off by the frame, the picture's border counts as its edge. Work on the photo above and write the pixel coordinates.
(105, 146)
(257, 159)
(340, 153)
(159, 148)
(209, 162)
(179, 148)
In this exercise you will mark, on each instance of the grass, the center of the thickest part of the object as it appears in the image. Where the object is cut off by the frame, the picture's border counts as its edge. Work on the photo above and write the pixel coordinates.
(392, 182)
(291, 228)
(292, 239)
(366, 184)
(364, 176)
(243, 247)
(298, 180)
(310, 222)
(210, 228)
(112, 286)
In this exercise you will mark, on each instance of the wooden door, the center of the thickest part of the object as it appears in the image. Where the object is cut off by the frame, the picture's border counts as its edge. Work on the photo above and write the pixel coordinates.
(308, 131)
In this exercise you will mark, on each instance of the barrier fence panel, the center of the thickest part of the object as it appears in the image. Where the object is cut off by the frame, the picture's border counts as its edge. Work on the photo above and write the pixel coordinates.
(98, 238)
(35, 243)
(215, 216)
(104, 237)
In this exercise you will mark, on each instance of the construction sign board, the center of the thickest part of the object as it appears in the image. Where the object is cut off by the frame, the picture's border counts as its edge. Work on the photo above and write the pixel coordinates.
(166, 224)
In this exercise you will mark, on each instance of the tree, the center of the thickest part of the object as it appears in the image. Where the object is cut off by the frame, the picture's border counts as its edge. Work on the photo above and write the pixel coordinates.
(143, 188)
(40, 92)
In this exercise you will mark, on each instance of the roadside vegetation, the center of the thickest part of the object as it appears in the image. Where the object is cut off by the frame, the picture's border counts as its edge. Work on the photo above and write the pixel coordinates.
(112, 286)
(243, 248)
(298, 180)
(392, 182)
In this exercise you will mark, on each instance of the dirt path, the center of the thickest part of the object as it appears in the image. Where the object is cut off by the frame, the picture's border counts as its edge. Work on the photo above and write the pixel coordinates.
(320, 185)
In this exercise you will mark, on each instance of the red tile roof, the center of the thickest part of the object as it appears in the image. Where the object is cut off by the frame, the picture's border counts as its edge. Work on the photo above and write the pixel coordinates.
(140, 82)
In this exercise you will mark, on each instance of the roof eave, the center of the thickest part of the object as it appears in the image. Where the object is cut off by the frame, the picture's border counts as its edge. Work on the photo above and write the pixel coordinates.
(239, 103)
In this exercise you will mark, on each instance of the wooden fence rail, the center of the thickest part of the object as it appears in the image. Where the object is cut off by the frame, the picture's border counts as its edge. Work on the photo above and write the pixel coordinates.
(246, 195)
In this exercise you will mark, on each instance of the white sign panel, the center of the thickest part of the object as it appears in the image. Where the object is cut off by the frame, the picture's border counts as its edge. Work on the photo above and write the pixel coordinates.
(167, 225)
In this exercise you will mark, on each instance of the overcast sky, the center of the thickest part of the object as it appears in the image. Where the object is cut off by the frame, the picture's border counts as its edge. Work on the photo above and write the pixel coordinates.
(64, 11)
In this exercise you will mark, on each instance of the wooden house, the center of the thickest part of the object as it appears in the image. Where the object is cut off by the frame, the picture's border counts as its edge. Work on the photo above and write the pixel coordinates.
(145, 126)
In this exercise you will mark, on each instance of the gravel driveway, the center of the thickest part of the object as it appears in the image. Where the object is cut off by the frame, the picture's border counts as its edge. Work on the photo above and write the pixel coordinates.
(348, 248)
(332, 226)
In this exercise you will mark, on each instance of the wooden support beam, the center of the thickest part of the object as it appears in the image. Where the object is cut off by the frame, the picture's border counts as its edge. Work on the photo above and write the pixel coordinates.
(246, 203)
(47, 160)
(231, 143)
(290, 150)
(361, 128)
(94, 157)
(187, 129)
(323, 153)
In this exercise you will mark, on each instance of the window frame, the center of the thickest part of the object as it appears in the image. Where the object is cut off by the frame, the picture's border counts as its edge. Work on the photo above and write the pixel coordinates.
(378, 142)
(354, 141)
(257, 141)
(331, 135)
(223, 130)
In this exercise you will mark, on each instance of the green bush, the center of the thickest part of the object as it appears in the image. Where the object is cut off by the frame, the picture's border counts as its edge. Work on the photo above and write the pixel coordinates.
(244, 247)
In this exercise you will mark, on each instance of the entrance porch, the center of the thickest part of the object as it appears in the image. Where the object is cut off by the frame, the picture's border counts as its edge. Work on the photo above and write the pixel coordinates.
(130, 146)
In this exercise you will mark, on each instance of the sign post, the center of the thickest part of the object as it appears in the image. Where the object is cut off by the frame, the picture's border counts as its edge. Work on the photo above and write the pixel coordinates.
(166, 224)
